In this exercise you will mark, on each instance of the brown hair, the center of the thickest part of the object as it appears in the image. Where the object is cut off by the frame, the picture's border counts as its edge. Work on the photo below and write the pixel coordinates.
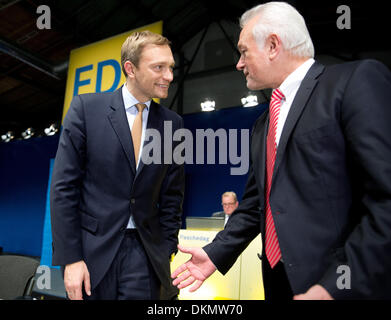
(134, 44)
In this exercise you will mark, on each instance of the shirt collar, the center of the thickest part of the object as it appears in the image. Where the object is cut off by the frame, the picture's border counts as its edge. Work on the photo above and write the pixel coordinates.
(130, 101)
(292, 83)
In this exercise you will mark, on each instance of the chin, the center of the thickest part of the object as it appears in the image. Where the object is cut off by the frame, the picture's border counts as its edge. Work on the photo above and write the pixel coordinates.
(253, 86)
(162, 95)
(250, 85)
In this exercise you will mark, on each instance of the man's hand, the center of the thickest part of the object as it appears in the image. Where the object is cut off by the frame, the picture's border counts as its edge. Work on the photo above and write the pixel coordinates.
(316, 292)
(74, 276)
(197, 269)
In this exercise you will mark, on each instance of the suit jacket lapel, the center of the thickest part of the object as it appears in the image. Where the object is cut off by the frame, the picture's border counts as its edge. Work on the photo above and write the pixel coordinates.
(154, 122)
(300, 101)
(119, 121)
(258, 150)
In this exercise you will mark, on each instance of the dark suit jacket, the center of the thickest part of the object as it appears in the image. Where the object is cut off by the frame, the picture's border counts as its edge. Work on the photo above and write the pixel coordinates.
(331, 188)
(95, 188)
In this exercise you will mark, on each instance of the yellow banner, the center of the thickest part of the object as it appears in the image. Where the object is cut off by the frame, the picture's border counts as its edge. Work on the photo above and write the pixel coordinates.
(97, 67)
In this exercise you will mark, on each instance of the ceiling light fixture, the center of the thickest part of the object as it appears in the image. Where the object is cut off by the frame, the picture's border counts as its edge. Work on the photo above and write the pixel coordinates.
(7, 137)
(28, 133)
(52, 130)
(250, 101)
(208, 105)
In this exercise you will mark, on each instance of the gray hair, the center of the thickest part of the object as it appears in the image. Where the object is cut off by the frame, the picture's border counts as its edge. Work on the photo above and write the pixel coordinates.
(230, 194)
(284, 20)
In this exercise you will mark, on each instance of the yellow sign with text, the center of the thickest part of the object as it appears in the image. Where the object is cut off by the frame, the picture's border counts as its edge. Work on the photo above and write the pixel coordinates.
(97, 67)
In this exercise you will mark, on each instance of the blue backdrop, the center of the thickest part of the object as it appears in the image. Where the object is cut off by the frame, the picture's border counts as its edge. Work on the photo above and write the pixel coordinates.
(24, 172)
(25, 167)
(205, 183)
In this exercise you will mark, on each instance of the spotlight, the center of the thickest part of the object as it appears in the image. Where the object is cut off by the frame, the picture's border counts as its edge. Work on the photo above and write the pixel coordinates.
(250, 101)
(28, 133)
(52, 130)
(7, 137)
(208, 105)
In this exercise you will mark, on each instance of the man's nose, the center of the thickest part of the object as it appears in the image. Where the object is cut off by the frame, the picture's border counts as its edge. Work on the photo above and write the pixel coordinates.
(240, 64)
(169, 75)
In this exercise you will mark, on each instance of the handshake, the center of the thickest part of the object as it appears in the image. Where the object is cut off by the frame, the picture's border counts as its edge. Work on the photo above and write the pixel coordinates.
(199, 268)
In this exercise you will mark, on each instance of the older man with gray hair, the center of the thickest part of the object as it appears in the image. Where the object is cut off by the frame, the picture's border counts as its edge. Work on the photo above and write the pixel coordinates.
(318, 189)
(229, 202)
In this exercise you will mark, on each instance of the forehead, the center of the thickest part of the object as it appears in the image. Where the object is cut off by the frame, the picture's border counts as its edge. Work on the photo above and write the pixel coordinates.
(246, 37)
(153, 52)
(228, 197)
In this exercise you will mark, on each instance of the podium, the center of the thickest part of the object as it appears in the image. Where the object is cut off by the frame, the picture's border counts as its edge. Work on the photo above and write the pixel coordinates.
(242, 282)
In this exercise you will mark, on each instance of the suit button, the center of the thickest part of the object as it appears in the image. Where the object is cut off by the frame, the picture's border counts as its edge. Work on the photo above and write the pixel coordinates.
(133, 201)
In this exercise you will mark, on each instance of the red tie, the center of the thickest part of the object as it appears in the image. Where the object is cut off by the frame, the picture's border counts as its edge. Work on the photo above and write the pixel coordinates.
(272, 248)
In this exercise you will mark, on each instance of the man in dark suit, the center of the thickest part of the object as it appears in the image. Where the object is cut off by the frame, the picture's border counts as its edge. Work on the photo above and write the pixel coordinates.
(115, 220)
(319, 186)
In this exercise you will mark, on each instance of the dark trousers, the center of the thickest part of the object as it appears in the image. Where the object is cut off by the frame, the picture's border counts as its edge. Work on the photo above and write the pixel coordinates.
(275, 282)
(130, 276)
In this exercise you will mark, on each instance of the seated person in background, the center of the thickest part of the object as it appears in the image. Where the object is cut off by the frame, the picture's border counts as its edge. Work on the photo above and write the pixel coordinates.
(229, 201)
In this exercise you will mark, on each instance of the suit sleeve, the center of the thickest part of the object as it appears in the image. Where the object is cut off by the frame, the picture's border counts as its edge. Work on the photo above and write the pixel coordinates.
(170, 203)
(364, 261)
(65, 188)
(242, 227)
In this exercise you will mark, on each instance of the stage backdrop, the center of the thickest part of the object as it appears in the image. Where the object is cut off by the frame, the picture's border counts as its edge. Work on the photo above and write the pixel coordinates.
(25, 166)
(205, 183)
(25, 175)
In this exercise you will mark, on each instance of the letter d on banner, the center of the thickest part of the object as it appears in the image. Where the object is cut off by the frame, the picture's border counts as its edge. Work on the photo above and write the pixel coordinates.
(117, 75)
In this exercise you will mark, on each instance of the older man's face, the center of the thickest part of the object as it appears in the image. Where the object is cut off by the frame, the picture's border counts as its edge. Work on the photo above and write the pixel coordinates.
(229, 204)
(253, 62)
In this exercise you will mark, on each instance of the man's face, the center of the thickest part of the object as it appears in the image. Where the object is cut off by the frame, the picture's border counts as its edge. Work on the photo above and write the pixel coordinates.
(229, 204)
(154, 73)
(253, 61)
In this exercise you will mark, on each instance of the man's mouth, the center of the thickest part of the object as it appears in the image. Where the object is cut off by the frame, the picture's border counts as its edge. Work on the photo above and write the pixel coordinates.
(163, 86)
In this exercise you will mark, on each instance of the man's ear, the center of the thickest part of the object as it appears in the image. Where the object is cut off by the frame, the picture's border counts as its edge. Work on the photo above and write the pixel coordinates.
(273, 45)
(129, 68)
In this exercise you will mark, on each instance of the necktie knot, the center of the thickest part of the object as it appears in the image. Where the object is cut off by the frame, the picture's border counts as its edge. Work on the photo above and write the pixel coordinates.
(274, 110)
(140, 107)
(277, 96)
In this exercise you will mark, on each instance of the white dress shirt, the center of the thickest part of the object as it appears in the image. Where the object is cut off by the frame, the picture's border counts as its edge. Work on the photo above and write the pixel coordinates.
(131, 111)
(226, 219)
(289, 88)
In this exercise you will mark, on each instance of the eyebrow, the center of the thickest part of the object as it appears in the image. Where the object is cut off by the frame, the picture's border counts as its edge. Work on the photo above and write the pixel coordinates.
(163, 63)
(241, 46)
